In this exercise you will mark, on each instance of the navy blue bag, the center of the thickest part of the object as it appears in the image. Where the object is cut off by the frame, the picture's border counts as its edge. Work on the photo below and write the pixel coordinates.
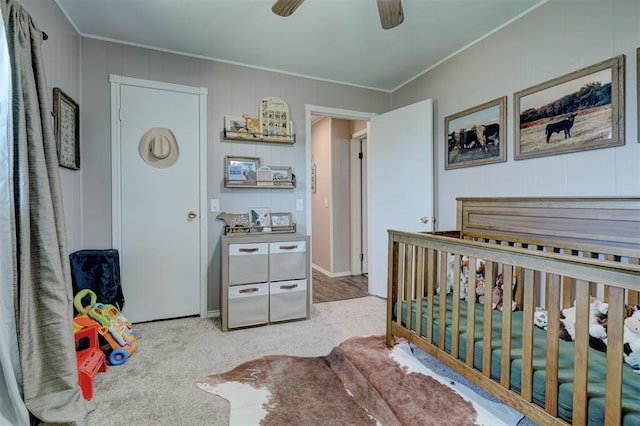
(99, 271)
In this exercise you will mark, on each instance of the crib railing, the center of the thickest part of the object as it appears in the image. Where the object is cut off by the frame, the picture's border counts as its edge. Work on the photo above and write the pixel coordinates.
(546, 276)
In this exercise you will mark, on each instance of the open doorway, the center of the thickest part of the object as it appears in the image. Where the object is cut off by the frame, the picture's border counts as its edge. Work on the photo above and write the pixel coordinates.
(338, 204)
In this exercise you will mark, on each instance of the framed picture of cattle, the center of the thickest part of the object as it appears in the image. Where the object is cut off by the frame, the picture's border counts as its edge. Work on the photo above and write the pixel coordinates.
(579, 111)
(476, 136)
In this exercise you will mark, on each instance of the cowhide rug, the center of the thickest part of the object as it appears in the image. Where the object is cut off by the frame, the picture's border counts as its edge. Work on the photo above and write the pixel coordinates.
(361, 382)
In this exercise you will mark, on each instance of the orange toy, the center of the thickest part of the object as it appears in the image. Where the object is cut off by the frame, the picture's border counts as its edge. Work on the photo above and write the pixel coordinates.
(91, 359)
(111, 325)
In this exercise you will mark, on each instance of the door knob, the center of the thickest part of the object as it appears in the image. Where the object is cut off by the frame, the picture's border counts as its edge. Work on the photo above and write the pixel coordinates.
(192, 215)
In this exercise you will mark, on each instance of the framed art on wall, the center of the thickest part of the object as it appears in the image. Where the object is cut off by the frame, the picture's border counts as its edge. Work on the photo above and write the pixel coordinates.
(66, 116)
(475, 136)
(578, 111)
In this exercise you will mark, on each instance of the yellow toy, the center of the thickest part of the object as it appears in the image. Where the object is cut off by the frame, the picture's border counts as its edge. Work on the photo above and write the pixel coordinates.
(112, 326)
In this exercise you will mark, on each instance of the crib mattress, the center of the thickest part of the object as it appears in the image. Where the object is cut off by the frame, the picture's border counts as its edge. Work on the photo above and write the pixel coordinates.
(597, 362)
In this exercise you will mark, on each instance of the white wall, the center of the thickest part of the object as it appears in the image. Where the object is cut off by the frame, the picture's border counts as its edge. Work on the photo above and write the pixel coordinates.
(233, 90)
(61, 53)
(557, 38)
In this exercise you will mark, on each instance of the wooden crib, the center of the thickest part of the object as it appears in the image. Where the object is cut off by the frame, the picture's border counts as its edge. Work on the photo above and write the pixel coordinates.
(557, 252)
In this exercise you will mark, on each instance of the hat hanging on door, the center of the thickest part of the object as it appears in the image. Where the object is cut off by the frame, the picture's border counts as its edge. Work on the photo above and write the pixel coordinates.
(159, 148)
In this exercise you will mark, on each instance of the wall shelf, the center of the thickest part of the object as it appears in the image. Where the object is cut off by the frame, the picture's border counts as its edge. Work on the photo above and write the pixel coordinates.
(288, 184)
(258, 137)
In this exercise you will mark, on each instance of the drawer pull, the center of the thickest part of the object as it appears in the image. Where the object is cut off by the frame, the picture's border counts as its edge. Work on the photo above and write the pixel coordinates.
(249, 250)
(293, 247)
(249, 290)
(288, 287)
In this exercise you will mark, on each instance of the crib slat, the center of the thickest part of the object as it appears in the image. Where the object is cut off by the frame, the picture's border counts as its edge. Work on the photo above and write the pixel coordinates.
(408, 269)
(527, 334)
(613, 395)
(443, 299)
(420, 278)
(581, 356)
(431, 279)
(505, 359)
(553, 344)
(455, 314)
(487, 321)
(471, 312)
(392, 277)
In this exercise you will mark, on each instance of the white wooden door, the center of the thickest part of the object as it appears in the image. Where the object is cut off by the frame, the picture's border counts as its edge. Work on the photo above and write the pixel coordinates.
(157, 216)
(400, 181)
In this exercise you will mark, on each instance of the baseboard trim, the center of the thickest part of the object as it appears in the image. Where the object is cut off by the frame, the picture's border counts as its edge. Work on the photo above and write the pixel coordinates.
(331, 274)
(213, 314)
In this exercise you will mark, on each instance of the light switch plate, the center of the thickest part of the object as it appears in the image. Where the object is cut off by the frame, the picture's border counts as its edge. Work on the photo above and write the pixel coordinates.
(215, 205)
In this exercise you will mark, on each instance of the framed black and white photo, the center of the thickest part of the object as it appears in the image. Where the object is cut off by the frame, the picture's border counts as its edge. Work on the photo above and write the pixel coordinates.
(66, 116)
(281, 219)
(475, 136)
(242, 169)
(234, 124)
(578, 111)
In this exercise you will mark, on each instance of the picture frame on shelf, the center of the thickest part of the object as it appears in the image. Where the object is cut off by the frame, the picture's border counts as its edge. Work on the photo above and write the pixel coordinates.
(578, 111)
(282, 175)
(260, 219)
(476, 135)
(281, 219)
(66, 117)
(241, 169)
(235, 125)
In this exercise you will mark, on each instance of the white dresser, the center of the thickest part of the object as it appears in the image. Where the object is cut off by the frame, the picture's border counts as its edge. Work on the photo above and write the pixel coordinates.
(265, 279)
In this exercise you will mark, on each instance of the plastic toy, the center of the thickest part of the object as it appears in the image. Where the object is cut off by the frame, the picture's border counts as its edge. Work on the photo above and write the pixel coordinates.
(91, 360)
(113, 327)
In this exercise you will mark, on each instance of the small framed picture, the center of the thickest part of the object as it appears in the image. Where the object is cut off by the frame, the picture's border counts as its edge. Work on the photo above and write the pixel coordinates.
(234, 124)
(282, 175)
(242, 169)
(260, 219)
(281, 219)
(66, 113)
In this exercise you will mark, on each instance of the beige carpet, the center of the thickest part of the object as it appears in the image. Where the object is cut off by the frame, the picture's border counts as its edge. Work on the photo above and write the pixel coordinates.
(156, 386)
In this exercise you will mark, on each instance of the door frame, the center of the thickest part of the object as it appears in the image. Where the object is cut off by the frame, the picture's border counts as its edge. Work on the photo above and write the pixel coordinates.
(116, 82)
(328, 112)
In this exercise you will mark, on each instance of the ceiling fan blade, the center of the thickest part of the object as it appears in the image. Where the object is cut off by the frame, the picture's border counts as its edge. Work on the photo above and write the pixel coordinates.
(391, 14)
(285, 7)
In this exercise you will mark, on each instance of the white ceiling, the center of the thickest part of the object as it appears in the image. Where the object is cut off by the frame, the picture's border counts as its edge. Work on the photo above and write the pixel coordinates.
(334, 40)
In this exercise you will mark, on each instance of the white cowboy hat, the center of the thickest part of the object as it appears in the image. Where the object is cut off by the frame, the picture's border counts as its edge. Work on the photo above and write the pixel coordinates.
(159, 148)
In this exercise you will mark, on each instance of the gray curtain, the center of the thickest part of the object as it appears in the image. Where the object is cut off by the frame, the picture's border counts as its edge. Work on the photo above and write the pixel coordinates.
(12, 408)
(42, 283)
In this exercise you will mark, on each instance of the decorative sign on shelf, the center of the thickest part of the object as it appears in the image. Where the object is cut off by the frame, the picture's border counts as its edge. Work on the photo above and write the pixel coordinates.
(274, 117)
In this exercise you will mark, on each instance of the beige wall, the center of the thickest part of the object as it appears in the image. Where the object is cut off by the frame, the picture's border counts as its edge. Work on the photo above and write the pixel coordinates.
(233, 90)
(552, 40)
(61, 54)
(341, 203)
(321, 215)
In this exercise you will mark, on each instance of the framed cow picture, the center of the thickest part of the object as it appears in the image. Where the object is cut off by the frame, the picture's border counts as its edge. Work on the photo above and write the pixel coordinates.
(578, 111)
(476, 136)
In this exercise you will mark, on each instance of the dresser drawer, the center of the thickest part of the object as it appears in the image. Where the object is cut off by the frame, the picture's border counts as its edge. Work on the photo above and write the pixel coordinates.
(287, 260)
(287, 300)
(248, 305)
(248, 263)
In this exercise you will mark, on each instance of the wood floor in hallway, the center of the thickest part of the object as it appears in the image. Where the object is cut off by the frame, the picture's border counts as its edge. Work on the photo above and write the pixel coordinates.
(327, 289)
